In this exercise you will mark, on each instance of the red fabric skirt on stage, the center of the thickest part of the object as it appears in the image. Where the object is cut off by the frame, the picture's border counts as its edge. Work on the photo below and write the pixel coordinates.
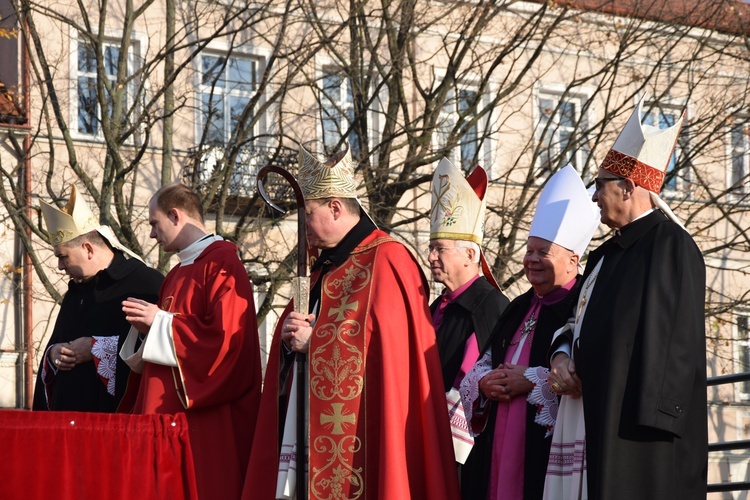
(73, 456)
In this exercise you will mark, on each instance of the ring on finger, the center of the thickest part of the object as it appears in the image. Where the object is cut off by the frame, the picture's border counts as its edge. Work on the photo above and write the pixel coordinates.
(556, 386)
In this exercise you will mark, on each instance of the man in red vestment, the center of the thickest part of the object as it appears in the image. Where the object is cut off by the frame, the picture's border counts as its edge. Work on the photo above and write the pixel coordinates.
(200, 354)
(378, 425)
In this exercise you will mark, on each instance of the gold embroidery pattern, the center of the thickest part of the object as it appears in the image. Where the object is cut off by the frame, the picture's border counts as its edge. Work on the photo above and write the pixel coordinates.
(337, 367)
(338, 478)
(60, 236)
(440, 191)
(318, 180)
(448, 202)
(629, 167)
(333, 374)
(355, 278)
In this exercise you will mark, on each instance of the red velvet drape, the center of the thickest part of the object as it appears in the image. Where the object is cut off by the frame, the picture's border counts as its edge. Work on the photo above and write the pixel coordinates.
(78, 456)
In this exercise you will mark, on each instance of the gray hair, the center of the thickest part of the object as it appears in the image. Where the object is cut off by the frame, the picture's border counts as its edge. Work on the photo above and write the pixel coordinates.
(472, 245)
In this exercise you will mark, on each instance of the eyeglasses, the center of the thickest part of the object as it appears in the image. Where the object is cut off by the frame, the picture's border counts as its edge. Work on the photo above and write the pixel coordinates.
(439, 250)
(599, 181)
(309, 212)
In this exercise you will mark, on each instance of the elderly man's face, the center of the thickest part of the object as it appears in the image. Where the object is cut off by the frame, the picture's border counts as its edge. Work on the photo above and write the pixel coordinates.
(547, 265)
(608, 196)
(449, 264)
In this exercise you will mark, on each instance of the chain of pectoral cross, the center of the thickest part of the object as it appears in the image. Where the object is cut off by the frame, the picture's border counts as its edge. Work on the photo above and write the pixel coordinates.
(591, 280)
(528, 326)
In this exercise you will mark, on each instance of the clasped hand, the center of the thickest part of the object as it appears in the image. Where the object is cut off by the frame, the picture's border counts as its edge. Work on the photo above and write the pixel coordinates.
(505, 382)
(296, 331)
(66, 356)
(562, 378)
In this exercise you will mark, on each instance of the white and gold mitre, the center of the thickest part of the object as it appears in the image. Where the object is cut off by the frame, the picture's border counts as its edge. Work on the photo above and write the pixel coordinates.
(331, 179)
(642, 152)
(76, 219)
(458, 204)
(70, 222)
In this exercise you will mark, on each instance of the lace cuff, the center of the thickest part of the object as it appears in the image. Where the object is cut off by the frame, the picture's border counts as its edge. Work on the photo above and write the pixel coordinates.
(542, 397)
(104, 351)
(470, 389)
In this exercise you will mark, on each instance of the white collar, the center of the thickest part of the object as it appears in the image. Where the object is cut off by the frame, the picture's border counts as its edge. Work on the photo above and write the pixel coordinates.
(188, 255)
(644, 214)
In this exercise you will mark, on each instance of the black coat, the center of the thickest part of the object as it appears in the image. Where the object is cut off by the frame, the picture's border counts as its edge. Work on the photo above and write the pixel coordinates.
(94, 308)
(477, 310)
(551, 317)
(641, 357)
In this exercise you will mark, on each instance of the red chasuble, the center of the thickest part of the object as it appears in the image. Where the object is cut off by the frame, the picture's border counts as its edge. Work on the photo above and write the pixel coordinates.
(218, 381)
(378, 425)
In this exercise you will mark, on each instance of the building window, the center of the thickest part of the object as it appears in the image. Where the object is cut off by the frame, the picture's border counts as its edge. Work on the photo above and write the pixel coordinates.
(337, 112)
(88, 112)
(740, 155)
(676, 180)
(559, 121)
(461, 105)
(743, 356)
(225, 89)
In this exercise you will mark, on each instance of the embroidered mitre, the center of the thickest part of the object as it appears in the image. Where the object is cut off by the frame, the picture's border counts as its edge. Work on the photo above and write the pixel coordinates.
(642, 152)
(332, 179)
(70, 222)
(458, 204)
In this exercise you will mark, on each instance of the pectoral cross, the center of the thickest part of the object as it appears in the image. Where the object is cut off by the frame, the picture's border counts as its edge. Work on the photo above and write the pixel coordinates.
(337, 418)
(528, 327)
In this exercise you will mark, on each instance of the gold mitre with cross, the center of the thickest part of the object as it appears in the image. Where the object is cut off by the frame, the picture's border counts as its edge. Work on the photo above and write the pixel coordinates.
(76, 219)
(642, 152)
(458, 204)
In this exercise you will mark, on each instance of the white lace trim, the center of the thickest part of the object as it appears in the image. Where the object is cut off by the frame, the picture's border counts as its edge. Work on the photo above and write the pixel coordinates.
(542, 397)
(105, 349)
(470, 386)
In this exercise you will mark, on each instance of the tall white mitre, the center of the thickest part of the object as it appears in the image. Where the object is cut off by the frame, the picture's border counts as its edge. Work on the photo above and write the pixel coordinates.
(565, 214)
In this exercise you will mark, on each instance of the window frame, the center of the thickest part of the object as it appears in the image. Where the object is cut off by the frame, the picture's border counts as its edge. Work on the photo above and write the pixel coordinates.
(214, 88)
(133, 62)
(578, 156)
(744, 157)
(341, 109)
(741, 334)
(474, 152)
